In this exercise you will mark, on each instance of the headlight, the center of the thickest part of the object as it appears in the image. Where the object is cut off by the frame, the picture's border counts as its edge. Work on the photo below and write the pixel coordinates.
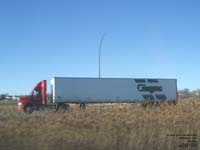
(19, 103)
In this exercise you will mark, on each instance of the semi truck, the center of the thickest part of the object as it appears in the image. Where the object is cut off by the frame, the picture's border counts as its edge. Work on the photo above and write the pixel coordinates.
(82, 91)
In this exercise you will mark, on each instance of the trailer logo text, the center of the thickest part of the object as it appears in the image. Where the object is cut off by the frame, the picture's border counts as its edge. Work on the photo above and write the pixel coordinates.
(144, 88)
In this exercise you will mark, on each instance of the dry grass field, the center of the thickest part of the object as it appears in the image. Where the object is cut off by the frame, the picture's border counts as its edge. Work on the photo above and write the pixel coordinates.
(112, 127)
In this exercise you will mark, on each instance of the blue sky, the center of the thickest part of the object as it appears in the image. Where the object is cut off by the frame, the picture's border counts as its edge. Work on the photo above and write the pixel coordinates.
(40, 39)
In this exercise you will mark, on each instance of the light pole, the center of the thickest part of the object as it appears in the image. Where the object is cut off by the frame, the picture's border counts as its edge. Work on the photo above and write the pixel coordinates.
(100, 54)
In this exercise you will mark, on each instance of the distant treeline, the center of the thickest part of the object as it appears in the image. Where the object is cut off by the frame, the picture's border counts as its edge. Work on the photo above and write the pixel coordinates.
(187, 93)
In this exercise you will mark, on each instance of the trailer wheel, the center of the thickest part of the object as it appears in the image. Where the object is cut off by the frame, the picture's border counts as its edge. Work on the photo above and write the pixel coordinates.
(82, 106)
(174, 102)
(28, 109)
(64, 107)
(148, 102)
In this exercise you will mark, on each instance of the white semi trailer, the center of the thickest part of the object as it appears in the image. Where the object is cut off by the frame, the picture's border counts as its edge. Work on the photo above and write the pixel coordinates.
(100, 90)
(103, 90)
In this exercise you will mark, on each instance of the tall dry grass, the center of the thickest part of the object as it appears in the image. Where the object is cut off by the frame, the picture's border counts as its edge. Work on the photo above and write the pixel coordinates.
(113, 127)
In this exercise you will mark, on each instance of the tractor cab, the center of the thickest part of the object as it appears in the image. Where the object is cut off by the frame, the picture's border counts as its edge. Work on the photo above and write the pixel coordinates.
(36, 100)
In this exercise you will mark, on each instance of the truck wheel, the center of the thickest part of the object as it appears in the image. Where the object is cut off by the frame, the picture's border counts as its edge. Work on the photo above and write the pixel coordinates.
(41, 107)
(28, 109)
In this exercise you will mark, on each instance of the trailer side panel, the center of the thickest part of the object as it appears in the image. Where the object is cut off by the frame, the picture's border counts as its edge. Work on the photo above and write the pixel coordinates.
(95, 90)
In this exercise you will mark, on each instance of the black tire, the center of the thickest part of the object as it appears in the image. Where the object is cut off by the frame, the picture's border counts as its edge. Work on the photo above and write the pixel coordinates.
(41, 107)
(82, 106)
(174, 102)
(28, 109)
(64, 107)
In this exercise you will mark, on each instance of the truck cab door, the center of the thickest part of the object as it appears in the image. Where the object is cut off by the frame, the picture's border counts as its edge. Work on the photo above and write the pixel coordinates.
(36, 97)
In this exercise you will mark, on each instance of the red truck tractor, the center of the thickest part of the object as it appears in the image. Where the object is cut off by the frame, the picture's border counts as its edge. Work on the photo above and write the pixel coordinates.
(37, 100)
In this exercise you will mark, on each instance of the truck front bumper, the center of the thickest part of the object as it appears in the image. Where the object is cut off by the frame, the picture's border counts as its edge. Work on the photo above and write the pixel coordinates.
(20, 107)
